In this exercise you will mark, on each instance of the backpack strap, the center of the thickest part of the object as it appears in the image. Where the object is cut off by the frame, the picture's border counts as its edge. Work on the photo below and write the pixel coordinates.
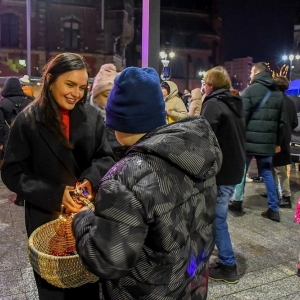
(262, 102)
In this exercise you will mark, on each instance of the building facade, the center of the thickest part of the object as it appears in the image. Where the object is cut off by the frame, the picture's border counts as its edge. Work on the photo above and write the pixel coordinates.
(239, 70)
(105, 31)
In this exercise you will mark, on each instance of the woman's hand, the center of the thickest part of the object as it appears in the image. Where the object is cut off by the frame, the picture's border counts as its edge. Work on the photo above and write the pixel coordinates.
(68, 203)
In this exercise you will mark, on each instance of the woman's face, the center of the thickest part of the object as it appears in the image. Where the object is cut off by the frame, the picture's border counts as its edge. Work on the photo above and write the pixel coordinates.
(101, 99)
(69, 88)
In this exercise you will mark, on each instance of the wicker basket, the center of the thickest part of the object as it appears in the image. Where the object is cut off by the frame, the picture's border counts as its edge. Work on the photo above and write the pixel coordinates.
(60, 271)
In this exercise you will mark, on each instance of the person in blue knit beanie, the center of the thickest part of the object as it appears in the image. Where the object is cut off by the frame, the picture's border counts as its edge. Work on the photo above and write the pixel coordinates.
(151, 233)
(135, 103)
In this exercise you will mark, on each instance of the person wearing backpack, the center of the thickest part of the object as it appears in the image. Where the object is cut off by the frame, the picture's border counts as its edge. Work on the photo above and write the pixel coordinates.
(11, 104)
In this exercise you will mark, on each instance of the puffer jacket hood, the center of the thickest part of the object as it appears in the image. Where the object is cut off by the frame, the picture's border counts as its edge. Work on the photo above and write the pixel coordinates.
(183, 144)
(234, 102)
(12, 87)
(173, 90)
(265, 79)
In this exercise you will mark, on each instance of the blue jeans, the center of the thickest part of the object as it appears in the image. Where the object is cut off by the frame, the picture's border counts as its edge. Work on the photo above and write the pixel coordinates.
(223, 241)
(264, 164)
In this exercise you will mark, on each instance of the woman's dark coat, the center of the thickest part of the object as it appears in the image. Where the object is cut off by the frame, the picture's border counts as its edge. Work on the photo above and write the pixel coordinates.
(152, 231)
(38, 167)
(283, 158)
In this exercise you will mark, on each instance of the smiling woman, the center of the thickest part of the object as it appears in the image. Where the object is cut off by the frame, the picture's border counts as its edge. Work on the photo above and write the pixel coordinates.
(55, 143)
(69, 88)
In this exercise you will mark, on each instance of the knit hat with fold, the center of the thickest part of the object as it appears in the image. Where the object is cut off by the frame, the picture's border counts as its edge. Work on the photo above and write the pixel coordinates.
(104, 80)
(135, 103)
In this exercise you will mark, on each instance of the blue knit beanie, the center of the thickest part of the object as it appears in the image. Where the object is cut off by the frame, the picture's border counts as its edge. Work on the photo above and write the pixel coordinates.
(135, 103)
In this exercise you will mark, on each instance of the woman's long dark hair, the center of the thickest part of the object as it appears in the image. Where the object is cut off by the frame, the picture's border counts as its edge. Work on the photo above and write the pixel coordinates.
(48, 108)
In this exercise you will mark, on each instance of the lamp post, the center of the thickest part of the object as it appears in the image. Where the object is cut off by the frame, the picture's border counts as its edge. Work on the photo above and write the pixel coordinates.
(166, 71)
(291, 57)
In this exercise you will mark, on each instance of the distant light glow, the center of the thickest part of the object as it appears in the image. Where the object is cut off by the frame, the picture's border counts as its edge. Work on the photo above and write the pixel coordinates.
(284, 57)
(291, 57)
(22, 62)
(171, 54)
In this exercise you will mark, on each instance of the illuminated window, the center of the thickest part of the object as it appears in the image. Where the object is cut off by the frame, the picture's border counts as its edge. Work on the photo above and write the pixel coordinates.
(71, 34)
(9, 30)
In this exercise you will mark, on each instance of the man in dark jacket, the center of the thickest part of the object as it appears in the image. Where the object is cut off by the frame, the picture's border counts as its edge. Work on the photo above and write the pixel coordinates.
(264, 130)
(13, 101)
(224, 112)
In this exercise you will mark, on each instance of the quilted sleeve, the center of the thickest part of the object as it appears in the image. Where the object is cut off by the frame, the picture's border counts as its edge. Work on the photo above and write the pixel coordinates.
(110, 240)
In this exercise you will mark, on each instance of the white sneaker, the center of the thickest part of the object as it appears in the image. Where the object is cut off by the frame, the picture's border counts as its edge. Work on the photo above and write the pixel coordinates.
(248, 179)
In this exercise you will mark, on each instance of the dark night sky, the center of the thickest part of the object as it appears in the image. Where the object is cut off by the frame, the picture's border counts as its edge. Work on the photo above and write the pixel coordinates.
(262, 29)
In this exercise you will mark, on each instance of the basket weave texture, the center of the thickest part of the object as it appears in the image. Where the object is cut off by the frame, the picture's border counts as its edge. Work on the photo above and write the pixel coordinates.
(60, 271)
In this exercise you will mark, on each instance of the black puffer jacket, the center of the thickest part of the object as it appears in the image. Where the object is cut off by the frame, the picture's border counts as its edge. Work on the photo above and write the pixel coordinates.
(13, 94)
(265, 129)
(151, 234)
(224, 112)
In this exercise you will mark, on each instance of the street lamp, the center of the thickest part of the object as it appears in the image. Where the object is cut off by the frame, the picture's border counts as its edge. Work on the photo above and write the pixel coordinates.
(202, 73)
(166, 71)
(291, 57)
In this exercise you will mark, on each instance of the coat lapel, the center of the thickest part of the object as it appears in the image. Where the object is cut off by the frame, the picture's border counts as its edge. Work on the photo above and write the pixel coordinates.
(63, 154)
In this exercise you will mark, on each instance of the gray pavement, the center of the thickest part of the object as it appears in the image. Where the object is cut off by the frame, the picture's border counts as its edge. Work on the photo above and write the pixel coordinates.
(266, 251)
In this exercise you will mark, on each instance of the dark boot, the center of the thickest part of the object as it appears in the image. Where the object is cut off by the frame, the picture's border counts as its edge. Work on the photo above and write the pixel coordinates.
(235, 205)
(224, 273)
(271, 214)
(257, 179)
(285, 202)
(19, 201)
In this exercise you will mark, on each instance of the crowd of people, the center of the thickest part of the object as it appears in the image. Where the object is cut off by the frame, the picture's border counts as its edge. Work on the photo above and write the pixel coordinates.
(164, 170)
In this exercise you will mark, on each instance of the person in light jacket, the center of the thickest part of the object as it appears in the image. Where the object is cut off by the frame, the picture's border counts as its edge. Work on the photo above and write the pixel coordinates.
(175, 107)
(195, 103)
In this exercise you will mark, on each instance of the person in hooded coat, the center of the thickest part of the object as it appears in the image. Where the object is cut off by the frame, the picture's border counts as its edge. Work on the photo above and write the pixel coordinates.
(195, 102)
(151, 234)
(265, 127)
(13, 96)
(175, 108)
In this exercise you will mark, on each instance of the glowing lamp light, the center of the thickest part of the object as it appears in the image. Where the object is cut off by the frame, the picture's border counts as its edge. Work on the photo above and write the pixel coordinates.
(171, 54)
(291, 57)
(297, 56)
(162, 54)
(22, 62)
